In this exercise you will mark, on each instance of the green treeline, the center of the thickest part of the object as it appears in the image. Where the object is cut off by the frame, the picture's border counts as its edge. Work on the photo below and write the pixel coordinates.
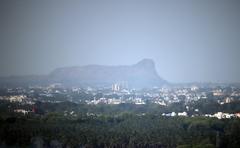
(124, 130)
(68, 124)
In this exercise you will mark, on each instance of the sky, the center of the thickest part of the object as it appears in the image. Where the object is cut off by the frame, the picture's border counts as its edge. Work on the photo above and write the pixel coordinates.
(189, 40)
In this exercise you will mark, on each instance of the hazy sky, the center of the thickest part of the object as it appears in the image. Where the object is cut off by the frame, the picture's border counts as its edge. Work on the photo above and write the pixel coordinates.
(189, 40)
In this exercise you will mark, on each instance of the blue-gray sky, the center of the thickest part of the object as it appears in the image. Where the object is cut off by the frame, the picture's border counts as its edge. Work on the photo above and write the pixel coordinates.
(189, 40)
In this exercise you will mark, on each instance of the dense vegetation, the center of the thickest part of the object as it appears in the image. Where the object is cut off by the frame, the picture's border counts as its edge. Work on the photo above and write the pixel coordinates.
(117, 126)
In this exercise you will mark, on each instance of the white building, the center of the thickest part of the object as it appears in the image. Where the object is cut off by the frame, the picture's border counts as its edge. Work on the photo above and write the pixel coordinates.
(183, 114)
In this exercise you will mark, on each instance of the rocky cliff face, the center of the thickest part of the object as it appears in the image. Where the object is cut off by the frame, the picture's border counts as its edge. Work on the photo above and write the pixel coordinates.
(140, 75)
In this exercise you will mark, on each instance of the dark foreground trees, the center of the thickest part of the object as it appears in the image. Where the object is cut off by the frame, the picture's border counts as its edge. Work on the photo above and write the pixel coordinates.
(125, 130)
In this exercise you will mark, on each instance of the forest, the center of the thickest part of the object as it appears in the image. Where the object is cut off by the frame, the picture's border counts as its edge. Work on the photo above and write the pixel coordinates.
(112, 126)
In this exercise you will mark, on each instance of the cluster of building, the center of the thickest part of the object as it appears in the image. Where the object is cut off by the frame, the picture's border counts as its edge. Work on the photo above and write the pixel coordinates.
(23, 111)
(120, 93)
(162, 96)
(14, 98)
(137, 101)
(18, 99)
(221, 115)
(173, 114)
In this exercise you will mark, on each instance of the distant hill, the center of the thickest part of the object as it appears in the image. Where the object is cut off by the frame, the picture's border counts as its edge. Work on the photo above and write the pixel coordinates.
(140, 75)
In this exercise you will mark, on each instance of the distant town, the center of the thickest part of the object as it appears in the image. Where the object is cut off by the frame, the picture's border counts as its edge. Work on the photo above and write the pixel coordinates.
(187, 97)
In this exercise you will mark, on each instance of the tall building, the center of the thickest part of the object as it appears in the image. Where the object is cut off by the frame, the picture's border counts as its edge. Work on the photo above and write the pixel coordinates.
(116, 87)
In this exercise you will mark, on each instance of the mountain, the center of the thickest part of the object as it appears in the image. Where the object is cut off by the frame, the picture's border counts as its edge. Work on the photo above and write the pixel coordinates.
(140, 75)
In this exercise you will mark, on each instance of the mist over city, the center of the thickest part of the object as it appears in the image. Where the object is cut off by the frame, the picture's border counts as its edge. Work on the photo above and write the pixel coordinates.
(130, 73)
